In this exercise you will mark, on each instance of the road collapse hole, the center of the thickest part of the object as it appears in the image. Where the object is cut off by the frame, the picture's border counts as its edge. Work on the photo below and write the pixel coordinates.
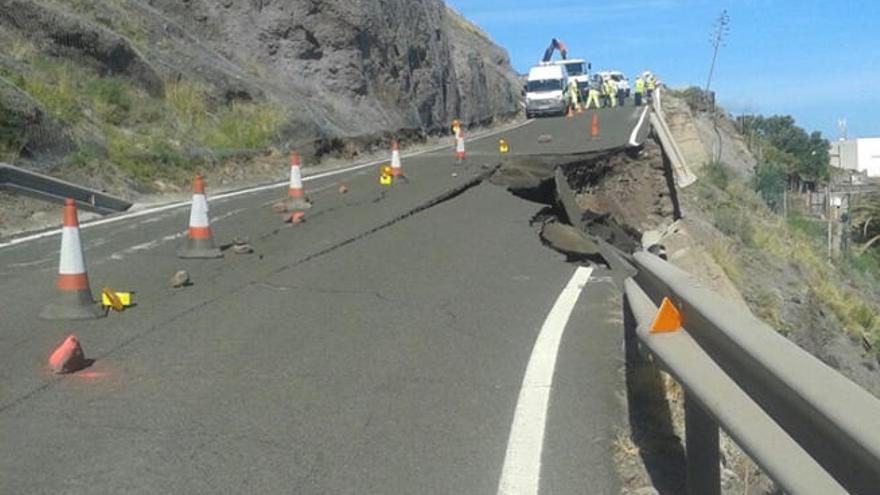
(611, 197)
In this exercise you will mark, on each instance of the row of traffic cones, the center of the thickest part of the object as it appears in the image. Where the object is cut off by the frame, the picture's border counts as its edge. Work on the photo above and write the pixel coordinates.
(74, 300)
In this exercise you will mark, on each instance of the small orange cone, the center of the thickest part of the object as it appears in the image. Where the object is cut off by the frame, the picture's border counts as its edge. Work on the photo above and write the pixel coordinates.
(296, 218)
(200, 239)
(668, 318)
(75, 296)
(594, 126)
(68, 357)
(459, 146)
(395, 160)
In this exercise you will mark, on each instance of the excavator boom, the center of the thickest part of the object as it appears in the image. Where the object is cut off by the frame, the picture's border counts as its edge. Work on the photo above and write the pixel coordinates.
(555, 44)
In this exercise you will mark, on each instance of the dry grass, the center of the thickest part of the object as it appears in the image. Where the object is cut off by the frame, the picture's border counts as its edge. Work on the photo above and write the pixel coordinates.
(741, 214)
(725, 256)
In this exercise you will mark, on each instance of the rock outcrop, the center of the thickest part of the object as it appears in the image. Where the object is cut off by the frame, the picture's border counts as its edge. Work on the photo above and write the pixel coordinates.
(340, 70)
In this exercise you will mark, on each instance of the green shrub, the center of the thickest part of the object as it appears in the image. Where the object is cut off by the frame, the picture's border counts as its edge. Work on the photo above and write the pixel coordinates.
(717, 174)
(111, 98)
(59, 95)
(243, 126)
(770, 181)
(11, 132)
(735, 222)
(186, 101)
(814, 229)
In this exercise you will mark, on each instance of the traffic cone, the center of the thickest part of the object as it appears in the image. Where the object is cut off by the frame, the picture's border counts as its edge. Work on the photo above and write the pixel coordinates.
(200, 241)
(296, 218)
(594, 126)
(68, 357)
(459, 146)
(395, 160)
(74, 301)
(296, 197)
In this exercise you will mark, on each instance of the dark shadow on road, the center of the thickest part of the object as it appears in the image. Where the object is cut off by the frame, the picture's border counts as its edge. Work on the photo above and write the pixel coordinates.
(650, 418)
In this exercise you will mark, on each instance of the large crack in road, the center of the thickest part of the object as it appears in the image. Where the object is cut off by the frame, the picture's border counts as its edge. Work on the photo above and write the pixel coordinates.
(450, 194)
(597, 206)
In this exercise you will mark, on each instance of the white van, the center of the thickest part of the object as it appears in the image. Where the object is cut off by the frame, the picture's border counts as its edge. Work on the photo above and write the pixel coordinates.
(547, 90)
(579, 70)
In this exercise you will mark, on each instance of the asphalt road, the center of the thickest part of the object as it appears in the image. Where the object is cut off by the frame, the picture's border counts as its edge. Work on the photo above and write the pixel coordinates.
(380, 347)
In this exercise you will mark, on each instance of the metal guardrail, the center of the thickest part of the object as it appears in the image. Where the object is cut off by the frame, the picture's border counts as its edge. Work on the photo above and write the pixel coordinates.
(683, 174)
(56, 190)
(809, 428)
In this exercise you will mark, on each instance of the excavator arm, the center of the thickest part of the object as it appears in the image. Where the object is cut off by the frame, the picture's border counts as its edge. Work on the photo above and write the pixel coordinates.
(555, 44)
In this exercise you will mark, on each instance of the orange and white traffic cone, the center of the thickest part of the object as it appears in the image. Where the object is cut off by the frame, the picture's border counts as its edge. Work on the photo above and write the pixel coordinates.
(459, 146)
(396, 171)
(296, 197)
(74, 301)
(594, 127)
(200, 240)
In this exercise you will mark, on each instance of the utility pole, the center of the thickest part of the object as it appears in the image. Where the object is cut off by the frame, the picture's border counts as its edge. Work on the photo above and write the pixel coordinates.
(828, 213)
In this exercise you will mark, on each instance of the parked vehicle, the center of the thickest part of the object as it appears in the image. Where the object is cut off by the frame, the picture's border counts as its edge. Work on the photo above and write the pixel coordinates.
(579, 70)
(619, 79)
(547, 90)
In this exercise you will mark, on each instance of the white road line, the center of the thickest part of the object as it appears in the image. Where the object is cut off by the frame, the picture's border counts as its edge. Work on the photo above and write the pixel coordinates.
(635, 132)
(252, 190)
(521, 473)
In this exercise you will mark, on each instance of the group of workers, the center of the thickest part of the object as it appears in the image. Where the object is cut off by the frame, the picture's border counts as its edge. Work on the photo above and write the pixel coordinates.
(605, 92)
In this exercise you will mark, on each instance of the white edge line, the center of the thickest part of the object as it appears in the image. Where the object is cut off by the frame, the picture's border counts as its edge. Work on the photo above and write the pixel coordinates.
(635, 132)
(181, 204)
(521, 473)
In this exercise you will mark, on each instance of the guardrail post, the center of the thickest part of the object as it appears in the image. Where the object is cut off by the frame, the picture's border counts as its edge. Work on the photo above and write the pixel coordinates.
(703, 461)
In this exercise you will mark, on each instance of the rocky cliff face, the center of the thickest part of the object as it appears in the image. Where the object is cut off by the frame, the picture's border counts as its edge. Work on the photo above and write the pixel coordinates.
(338, 69)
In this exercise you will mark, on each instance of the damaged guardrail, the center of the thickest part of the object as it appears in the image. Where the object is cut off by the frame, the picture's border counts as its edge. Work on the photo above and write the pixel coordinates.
(56, 190)
(683, 174)
(809, 428)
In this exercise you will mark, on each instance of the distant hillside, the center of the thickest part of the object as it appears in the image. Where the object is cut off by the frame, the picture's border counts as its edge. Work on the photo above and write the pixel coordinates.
(157, 88)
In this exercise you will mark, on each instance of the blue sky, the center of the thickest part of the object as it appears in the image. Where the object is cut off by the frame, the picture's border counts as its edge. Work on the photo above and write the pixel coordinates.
(816, 60)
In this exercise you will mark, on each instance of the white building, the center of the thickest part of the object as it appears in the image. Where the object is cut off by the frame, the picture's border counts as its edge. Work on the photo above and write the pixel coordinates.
(861, 155)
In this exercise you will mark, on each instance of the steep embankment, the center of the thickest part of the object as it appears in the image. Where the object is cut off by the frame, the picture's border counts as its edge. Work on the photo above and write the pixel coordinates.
(155, 88)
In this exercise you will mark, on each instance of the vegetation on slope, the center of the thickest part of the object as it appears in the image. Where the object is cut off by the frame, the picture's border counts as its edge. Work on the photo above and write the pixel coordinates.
(148, 138)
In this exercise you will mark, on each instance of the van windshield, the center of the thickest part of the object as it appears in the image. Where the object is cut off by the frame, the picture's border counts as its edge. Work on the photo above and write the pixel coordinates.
(575, 69)
(544, 85)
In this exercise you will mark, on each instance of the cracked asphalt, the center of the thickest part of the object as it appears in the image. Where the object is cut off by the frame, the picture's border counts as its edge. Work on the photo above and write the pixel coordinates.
(377, 348)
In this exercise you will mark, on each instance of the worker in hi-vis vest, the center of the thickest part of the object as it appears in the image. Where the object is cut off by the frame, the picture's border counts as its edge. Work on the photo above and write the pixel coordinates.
(573, 94)
(610, 92)
(639, 90)
(592, 97)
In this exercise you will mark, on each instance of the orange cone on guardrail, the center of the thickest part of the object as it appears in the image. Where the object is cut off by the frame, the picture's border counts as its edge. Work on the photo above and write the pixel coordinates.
(668, 318)
(459, 146)
(74, 300)
(396, 171)
(296, 199)
(200, 239)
